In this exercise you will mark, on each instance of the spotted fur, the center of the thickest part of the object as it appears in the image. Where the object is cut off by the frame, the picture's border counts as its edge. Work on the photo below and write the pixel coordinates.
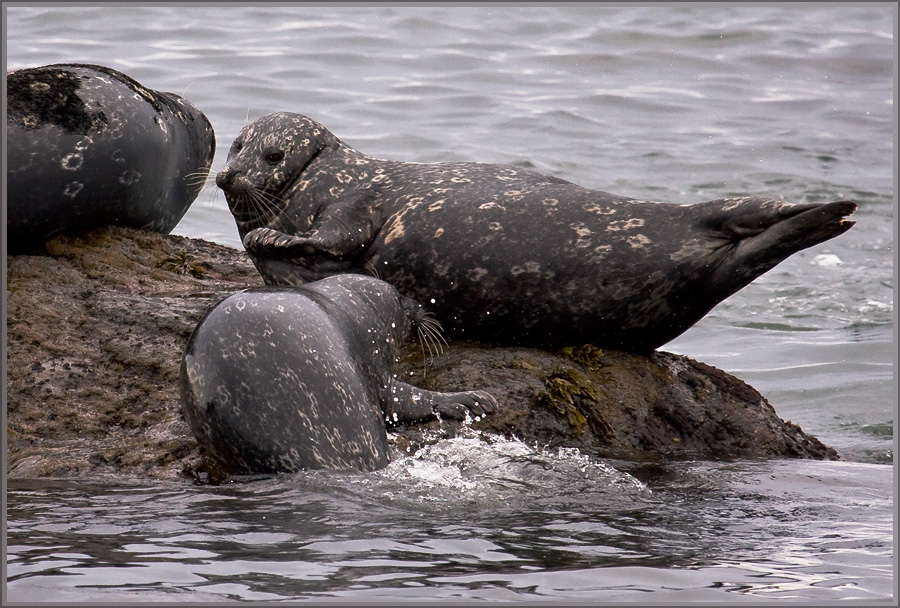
(88, 147)
(500, 253)
(289, 378)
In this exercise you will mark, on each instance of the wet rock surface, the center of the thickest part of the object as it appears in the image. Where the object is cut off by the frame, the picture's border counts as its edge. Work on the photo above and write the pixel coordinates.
(96, 329)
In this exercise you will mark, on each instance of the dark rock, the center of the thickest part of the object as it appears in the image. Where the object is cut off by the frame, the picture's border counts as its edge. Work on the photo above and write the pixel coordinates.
(96, 329)
(617, 404)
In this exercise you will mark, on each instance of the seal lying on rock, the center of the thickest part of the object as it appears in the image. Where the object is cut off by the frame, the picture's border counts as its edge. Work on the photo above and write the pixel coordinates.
(498, 253)
(282, 379)
(88, 146)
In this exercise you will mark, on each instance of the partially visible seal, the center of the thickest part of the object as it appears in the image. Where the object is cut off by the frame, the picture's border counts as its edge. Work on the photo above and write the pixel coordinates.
(88, 146)
(282, 379)
(498, 253)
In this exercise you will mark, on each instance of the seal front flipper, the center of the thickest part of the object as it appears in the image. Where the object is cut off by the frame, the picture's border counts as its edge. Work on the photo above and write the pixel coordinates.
(285, 259)
(404, 403)
(272, 243)
(340, 234)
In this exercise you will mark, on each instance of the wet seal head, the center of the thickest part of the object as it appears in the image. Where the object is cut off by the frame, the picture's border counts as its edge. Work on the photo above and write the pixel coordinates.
(89, 146)
(265, 163)
(278, 379)
(501, 254)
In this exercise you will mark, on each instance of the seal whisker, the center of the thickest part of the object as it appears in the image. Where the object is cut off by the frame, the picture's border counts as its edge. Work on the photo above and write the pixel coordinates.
(422, 345)
(369, 267)
(263, 206)
(203, 182)
(430, 337)
(427, 342)
(199, 178)
(272, 200)
(435, 328)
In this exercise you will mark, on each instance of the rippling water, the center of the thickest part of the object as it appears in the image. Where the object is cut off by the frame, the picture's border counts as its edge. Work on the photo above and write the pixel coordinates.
(676, 104)
(511, 524)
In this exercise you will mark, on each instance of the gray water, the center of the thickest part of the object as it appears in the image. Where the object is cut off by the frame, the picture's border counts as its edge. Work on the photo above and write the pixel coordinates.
(675, 104)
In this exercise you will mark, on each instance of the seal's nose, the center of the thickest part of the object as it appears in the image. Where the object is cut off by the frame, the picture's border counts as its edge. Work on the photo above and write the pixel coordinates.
(225, 178)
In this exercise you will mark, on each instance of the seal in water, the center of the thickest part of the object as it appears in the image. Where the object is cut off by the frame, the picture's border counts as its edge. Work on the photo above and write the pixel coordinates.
(88, 146)
(287, 378)
(498, 253)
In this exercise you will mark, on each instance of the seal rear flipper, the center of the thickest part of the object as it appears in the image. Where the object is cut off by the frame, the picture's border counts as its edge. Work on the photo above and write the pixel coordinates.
(404, 403)
(764, 233)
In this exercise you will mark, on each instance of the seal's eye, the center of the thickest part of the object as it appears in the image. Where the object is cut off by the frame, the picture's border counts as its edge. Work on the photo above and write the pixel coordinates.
(236, 146)
(275, 157)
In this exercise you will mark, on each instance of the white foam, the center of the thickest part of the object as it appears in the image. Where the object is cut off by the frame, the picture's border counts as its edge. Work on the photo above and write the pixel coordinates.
(476, 466)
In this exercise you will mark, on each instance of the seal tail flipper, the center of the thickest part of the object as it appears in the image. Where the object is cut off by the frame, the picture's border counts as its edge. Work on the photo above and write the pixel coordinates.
(764, 233)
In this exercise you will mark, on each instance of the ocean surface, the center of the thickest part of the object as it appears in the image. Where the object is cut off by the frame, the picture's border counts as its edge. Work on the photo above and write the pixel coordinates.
(673, 104)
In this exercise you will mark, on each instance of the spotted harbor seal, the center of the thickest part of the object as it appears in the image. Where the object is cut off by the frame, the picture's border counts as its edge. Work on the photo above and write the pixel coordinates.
(88, 146)
(498, 253)
(287, 378)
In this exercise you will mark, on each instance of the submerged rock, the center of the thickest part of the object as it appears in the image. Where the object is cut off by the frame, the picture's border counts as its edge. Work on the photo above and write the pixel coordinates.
(96, 330)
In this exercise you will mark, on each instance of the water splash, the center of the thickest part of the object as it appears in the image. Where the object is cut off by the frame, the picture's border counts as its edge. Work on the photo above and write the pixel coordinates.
(478, 467)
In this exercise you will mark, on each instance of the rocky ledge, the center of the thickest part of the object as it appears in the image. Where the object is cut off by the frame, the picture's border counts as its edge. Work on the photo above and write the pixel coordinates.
(96, 329)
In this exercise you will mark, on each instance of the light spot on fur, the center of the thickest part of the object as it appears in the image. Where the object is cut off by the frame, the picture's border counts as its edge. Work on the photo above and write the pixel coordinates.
(72, 161)
(72, 189)
(532, 267)
(476, 274)
(693, 249)
(735, 202)
(438, 232)
(600, 210)
(634, 222)
(130, 177)
(584, 234)
(396, 231)
(637, 241)
(600, 252)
